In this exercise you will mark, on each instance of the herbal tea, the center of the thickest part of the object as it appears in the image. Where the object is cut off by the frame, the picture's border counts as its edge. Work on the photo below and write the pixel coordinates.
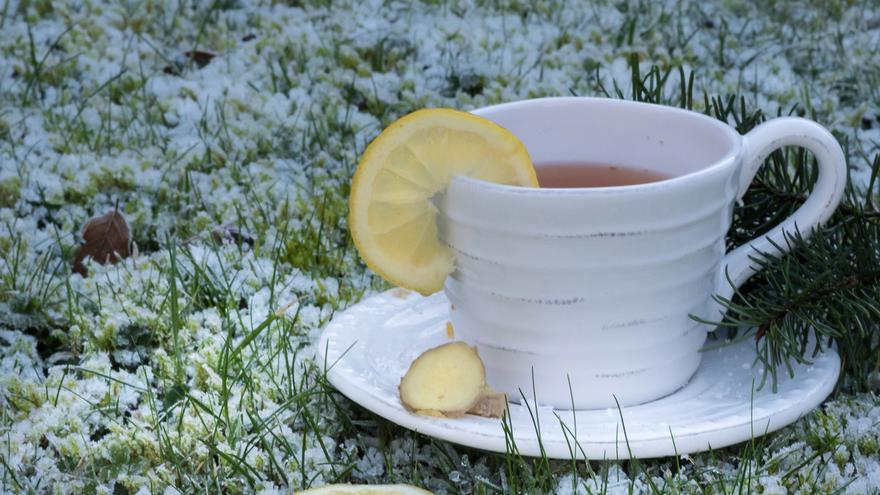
(559, 175)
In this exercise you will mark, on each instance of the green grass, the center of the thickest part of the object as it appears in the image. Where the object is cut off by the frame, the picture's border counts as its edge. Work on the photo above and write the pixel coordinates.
(174, 370)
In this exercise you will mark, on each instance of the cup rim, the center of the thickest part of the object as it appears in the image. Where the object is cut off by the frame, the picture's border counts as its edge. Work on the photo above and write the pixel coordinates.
(734, 146)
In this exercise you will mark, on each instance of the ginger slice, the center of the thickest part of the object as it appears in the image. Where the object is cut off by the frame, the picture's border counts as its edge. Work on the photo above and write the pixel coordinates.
(492, 404)
(400, 292)
(450, 381)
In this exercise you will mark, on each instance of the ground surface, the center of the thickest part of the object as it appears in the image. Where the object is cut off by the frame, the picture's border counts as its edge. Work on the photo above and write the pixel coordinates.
(242, 122)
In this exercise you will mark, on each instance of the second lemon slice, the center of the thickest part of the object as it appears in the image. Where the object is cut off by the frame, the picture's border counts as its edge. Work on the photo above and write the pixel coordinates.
(366, 490)
(392, 219)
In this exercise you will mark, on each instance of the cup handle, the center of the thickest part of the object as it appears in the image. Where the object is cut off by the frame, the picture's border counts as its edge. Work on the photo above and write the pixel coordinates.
(827, 192)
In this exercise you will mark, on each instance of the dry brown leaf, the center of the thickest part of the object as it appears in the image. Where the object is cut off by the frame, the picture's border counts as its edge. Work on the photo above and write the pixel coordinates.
(200, 57)
(106, 238)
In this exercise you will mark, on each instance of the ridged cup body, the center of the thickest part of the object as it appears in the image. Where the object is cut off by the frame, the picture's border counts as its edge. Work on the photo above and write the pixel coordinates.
(589, 294)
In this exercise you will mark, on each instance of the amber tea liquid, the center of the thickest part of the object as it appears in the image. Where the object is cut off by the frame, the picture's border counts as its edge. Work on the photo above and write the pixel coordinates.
(560, 175)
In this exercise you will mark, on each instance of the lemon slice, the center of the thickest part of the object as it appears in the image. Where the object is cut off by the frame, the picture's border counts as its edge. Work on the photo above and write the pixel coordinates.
(366, 490)
(392, 217)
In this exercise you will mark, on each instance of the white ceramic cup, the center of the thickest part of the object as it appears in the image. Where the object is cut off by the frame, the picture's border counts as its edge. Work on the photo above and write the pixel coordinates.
(596, 285)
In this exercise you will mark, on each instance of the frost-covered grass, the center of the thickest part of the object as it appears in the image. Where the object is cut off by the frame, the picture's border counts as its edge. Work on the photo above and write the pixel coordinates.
(172, 372)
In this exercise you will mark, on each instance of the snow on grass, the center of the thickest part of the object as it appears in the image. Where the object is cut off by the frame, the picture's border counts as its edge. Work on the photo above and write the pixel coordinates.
(147, 376)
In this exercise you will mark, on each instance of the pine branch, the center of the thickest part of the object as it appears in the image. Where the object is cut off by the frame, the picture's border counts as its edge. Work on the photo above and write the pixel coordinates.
(796, 198)
(828, 286)
(824, 290)
(816, 296)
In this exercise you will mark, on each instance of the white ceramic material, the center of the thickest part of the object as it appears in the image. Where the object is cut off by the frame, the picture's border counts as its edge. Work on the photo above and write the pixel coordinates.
(596, 285)
(368, 347)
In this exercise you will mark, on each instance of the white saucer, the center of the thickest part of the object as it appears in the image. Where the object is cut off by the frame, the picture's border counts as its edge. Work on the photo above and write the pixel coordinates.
(369, 347)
